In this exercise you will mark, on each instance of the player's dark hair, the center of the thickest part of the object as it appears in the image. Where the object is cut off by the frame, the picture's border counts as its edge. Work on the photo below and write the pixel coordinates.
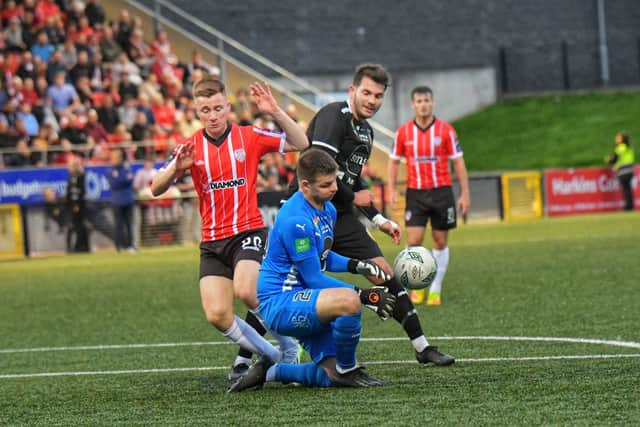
(422, 90)
(314, 163)
(208, 86)
(375, 72)
(625, 138)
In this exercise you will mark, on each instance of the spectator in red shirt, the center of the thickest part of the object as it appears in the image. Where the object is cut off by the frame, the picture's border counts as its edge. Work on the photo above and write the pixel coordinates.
(164, 113)
(45, 9)
(11, 10)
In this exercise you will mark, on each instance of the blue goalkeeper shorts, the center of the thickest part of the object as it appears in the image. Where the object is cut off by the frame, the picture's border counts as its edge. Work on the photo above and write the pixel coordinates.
(293, 313)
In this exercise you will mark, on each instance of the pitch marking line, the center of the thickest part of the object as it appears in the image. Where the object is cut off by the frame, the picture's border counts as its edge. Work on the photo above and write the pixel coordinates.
(377, 362)
(615, 343)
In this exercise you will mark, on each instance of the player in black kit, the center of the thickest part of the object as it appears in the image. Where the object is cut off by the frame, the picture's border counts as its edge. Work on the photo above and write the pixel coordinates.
(342, 130)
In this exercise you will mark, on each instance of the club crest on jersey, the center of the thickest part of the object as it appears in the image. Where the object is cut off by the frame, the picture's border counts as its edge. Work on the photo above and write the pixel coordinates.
(239, 154)
(437, 140)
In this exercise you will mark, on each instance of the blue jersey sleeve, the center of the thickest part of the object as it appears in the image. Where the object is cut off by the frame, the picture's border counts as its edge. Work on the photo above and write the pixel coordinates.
(299, 242)
(301, 246)
(312, 275)
(337, 263)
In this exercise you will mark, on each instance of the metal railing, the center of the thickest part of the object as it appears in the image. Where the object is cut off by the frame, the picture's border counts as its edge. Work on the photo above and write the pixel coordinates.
(260, 65)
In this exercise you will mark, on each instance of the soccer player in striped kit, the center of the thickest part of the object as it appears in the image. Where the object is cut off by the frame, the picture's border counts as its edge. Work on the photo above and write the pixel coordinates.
(428, 144)
(223, 159)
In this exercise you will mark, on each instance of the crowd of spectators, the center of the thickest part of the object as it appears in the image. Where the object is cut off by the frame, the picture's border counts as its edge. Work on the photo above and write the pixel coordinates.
(73, 84)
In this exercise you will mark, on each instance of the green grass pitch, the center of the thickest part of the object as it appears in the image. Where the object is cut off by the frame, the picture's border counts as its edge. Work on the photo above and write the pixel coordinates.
(543, 317)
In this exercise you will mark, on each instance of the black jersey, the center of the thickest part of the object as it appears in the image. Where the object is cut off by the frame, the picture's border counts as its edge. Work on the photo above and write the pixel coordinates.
(349, 141)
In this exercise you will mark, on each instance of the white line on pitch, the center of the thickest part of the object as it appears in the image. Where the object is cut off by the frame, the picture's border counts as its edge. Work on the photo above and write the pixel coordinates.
(615, 343)
(377, 362)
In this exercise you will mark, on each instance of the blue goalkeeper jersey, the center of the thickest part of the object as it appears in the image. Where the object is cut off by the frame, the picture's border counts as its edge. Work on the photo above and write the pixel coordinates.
(300, 232)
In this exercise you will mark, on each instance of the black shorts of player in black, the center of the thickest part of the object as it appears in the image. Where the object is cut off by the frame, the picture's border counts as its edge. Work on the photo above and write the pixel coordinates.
(436, 205)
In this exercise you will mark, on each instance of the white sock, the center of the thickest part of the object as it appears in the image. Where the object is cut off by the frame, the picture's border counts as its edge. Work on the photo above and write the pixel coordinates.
(420, 343)
(240, 359)
(271, 374)
(442, 259)
(246, 337)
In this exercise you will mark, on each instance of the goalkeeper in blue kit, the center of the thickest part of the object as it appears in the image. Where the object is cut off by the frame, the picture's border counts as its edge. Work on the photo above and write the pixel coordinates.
(296, 298)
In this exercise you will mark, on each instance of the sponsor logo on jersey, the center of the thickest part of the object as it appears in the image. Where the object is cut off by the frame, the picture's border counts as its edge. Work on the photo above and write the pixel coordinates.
(425, 159)
(231, 183)
(302, 245)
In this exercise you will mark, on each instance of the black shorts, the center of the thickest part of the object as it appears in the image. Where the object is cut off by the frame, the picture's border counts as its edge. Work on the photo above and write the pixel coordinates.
(351, 238)
(219, 257)
(436, 204)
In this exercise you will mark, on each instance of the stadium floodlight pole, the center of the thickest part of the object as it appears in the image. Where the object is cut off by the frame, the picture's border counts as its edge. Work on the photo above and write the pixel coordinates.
(602, 36)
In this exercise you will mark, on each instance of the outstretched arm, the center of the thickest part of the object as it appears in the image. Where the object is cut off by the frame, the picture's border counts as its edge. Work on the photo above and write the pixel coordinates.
(266, 103)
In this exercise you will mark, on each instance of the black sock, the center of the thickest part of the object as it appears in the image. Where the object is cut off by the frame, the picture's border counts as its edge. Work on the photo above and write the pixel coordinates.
(404, 312)
(255, 324)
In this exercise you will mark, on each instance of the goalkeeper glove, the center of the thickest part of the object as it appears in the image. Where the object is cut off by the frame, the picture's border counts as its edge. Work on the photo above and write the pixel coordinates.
(367, 268)
(379, 300)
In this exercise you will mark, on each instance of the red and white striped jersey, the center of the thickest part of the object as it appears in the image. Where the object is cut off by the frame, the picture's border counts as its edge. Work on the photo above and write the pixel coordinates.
(225, 177)
(428, 152)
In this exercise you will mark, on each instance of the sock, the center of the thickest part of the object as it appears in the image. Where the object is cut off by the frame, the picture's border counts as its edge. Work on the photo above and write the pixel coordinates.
(404, 312)
(442, 259)
(346, 333)
(288, 345)
(247, 337)
(240, 359)
(420, 343)
(307, 374)
(256, 324)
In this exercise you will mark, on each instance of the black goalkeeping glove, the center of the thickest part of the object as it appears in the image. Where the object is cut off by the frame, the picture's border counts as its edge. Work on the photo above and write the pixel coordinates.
(367, 268)
(379, 300)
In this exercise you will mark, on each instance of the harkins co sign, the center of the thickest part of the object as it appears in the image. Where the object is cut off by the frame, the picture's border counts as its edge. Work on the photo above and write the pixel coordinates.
(585, 190)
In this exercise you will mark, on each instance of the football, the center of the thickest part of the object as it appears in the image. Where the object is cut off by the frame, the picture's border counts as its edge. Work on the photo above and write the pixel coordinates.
(415, 267)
